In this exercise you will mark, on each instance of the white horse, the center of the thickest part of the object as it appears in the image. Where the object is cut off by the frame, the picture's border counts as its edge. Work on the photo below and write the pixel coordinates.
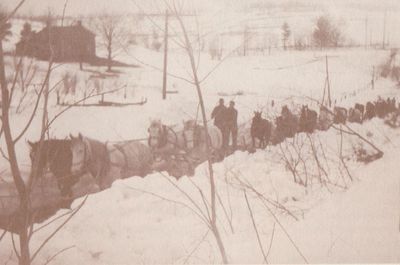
(164, 139)
(325, 119)
(109, 162)
(195, 137)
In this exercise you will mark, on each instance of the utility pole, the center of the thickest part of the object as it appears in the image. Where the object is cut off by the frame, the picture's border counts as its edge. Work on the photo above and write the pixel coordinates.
(366, 32)
(327, 85)
(373, 78)
(384, 31)
(245, 39)
(164, 91)
(370, 37)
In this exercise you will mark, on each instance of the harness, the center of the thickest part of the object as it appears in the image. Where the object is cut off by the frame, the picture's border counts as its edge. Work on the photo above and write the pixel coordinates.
(163, 138)
(87, 161)
(194, 140)
(125, 167)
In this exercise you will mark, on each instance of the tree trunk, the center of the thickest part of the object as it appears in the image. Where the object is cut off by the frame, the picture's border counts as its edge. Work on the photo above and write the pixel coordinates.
(109, 58)
(214, 227)
(19, 183)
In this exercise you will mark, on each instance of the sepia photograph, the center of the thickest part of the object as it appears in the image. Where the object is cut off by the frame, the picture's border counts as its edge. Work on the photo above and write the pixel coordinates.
(199, 132)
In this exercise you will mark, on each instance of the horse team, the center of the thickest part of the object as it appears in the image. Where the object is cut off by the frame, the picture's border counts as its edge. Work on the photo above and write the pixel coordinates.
(288, 124)
(168, 148)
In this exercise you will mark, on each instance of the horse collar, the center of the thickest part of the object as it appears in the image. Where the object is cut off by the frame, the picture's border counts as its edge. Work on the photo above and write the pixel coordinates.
(86, 156)
(164, 136)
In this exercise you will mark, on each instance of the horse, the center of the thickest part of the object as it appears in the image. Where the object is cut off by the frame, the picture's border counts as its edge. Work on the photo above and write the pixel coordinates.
(289, 122)
(370, 111)
(325, 119)
(56, 156)
(340, 115)
(391, 105)
(393, 119)
(361, 108)
(380, 108)
(195, 138)
(107, 162)
(355, 115)
(260, 129)
(308, 120)
(164, 140)
(278, 134)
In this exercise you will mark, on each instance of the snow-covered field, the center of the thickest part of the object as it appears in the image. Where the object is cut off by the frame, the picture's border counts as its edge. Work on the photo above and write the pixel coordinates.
(150, 221)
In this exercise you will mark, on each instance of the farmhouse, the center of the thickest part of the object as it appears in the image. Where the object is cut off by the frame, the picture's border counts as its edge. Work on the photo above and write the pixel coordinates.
(70, 43)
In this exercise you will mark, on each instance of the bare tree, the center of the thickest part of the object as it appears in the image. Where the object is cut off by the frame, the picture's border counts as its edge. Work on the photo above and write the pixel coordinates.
(326, 33)
(196, 82)
(112, 34)
(23, 216)
(285, 34)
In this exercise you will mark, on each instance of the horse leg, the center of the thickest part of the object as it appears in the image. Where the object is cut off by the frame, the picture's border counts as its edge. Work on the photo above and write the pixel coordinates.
(262, 142)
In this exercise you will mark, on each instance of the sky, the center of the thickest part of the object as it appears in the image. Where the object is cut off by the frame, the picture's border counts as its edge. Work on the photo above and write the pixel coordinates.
(90, 7)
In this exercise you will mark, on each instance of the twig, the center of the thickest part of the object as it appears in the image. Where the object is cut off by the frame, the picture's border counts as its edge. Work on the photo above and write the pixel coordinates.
(272, 239)
(58, 229)
(170, 200)
(286, 233)
(81, 100)
(52, 221)
(341, 155)
(226, 213)
(58, 253)
(3, 234)
(221, 61)
(255, 227)
(12, 13)
(197, 246)
(14, 247)
(188, 197)
(31, 117)
(261, 196)
(205, 202)
(4, 154)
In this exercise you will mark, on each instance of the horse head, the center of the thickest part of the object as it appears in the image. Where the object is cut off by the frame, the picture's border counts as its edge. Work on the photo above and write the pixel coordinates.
(55, 156)
(285, 111)
(38, 157)
(190, 133)
(80, 154)
(156, 133)
(257, 116)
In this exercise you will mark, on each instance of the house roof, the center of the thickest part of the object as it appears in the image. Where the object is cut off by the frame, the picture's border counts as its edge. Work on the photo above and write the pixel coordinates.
(67, 30)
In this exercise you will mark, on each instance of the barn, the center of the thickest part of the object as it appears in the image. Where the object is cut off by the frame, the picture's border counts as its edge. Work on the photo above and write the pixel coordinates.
(73, 43)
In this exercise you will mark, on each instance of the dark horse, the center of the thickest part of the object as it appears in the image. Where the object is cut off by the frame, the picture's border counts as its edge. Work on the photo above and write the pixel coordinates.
(361, 108)
(54, 155)
(260, 129)
(340, 115)
(370, 111)
(380, 108)
(308, 120)
(287, 124)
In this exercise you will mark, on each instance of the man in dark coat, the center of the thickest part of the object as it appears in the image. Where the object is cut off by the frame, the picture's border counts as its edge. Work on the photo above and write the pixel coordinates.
(218, 115)
(231, 124)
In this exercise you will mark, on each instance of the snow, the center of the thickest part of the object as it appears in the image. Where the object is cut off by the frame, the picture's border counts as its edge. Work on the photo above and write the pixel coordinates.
(148, 220)
(143, 220)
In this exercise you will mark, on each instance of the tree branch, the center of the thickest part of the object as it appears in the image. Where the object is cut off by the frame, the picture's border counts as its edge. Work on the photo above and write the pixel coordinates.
(172, 201)
(58, 229)
(255, 227)
(12, 13)
(58, 253)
